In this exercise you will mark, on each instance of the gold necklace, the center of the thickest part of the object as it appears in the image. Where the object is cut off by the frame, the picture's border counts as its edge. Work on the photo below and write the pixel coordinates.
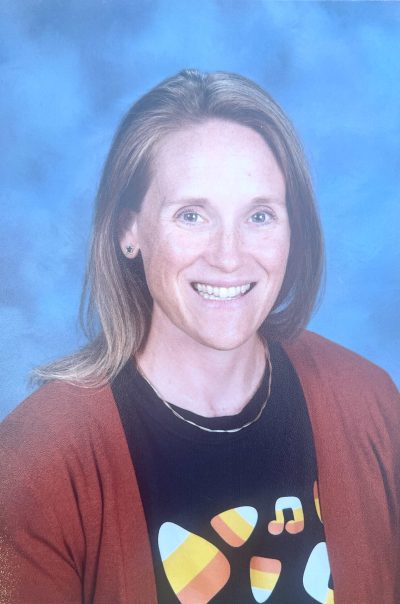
(192, 423)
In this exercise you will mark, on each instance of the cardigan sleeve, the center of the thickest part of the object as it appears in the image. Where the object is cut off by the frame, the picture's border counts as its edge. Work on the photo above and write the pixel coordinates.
(37, 565)
(39, 525)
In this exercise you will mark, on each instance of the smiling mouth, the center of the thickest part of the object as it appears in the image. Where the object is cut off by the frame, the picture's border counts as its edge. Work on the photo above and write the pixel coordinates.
(212, 292)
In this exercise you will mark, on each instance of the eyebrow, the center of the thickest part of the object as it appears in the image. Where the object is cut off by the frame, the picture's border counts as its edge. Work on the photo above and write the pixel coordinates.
(266, 200)
(190, 201)
(203, 201)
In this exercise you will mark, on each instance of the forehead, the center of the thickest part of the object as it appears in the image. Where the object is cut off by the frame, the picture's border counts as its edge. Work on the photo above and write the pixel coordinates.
(215, 157)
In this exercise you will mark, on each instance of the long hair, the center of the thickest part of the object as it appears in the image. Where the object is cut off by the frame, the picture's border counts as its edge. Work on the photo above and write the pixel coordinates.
(116, 303)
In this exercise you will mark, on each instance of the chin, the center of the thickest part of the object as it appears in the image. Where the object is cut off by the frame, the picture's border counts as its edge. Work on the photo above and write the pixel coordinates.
(223, 342)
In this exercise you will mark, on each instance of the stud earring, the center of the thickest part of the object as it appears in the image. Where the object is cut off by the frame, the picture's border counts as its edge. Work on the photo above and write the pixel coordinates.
(129, 249)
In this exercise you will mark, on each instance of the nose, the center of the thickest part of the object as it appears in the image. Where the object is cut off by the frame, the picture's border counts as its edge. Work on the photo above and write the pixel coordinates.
(225, 249)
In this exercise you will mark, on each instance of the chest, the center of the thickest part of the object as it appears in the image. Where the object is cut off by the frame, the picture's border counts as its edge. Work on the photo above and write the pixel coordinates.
(231, 517)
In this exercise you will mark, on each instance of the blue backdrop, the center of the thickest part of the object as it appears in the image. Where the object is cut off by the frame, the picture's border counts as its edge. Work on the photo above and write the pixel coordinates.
(70, 69)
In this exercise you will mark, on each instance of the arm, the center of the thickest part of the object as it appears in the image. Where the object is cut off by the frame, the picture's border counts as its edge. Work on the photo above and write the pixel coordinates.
(42, 542)
(37, 566)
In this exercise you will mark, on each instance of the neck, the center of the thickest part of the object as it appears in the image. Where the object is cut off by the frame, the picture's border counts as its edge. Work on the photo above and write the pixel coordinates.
(201, 379)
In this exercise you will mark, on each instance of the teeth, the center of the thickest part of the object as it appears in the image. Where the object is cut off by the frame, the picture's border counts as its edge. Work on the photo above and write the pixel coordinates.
(210, 292)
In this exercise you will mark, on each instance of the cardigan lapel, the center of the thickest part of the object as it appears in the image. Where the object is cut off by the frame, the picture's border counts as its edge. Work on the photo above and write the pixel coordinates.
(354, 417)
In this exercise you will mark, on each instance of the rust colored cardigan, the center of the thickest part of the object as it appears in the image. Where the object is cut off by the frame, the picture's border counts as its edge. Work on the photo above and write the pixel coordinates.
(72, 524)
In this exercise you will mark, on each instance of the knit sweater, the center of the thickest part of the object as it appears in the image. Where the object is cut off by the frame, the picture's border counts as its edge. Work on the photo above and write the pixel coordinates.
(72, 527)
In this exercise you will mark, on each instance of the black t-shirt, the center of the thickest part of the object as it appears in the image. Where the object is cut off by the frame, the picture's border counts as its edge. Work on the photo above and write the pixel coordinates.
(232, 517)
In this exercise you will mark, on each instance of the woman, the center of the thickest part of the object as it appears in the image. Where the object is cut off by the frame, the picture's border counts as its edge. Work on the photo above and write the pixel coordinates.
(204, 447)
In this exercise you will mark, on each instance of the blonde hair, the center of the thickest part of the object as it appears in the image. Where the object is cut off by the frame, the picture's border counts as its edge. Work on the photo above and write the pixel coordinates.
(116, 303)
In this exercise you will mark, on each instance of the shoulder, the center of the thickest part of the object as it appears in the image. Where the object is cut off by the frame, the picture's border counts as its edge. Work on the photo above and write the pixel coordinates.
(312, 353)
(57, 408)
(339, 383)
(56, 432)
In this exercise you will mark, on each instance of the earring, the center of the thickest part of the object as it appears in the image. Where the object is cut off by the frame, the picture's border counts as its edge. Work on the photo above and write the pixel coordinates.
(129, 249)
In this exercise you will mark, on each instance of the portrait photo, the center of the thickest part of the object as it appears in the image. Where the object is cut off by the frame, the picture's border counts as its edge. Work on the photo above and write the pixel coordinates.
(200, 302)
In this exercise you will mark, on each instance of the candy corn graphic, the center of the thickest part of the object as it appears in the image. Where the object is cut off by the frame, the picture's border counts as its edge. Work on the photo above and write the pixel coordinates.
(264, 574)
(195, 569)
(236, 525)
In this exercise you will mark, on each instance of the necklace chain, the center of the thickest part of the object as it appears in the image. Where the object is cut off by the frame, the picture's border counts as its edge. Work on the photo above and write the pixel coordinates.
(192, 423)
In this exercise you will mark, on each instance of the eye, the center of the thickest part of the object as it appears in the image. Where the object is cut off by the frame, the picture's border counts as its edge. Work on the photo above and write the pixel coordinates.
(261, 217)
(190, 217)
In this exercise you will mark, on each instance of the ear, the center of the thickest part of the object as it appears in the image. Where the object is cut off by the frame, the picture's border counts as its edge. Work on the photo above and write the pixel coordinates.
(127, 233)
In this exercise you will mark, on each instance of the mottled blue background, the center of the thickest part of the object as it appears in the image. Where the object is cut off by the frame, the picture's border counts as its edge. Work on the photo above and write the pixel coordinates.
(70, 69)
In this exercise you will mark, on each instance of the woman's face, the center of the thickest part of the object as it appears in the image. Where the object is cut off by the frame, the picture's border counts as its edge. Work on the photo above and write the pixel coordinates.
(214, 234)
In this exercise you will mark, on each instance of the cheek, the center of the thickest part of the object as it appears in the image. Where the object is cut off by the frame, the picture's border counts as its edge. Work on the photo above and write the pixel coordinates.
(283, 253)
(152, 257)
(283, 247)
(275, 253)
(169, 252)
(163, 260)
